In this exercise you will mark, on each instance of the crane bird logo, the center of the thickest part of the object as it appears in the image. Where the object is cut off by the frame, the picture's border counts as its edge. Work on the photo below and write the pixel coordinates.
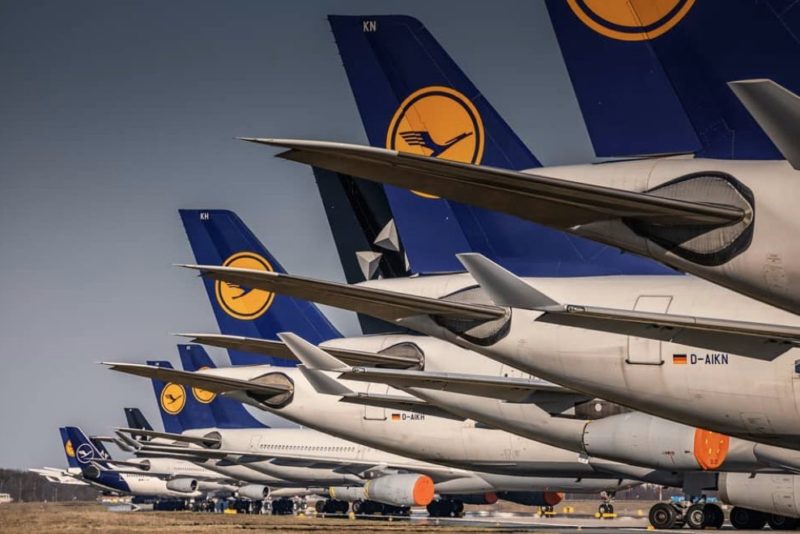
(630, 20)
(438, 122)
(203, 395)
(173, 398)
(240, 302)
(84, 453)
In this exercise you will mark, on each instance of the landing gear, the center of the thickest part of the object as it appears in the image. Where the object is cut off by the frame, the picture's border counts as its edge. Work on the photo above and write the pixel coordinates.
(746, 519)
(282, 506)
(546, 511)
(331, 506)
(446, 508)
(781, 522)
(663, 516)
(715, 517)
(698, 515)
(606, 509)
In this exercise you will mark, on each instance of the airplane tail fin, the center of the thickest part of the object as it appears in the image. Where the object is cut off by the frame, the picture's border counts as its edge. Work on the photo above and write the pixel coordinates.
(220, 237)
(226, 413)
(69, 448)
(84, 450)
(652, 78)
(365, 235)
(136, 419)
(179, 406)
(413, 97)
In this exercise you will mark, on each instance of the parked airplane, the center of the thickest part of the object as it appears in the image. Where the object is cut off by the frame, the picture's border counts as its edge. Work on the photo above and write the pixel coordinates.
(695, 214)
(673, 294)
(304, 455)
(127, 479)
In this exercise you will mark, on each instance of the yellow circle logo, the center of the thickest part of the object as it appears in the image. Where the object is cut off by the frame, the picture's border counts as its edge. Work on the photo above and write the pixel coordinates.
(631, 20)
(438, 122)
(70, 450)
(244, 302)
(173, 398)
(203, 395)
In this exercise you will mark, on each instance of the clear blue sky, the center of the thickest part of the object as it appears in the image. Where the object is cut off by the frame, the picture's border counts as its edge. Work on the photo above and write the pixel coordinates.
(113, 115)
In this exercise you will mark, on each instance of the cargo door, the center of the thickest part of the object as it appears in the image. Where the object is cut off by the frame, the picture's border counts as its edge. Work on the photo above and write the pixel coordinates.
(375, 412)
(643, 351)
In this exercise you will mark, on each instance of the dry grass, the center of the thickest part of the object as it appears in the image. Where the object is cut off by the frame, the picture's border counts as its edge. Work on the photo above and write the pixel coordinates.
(61, 518)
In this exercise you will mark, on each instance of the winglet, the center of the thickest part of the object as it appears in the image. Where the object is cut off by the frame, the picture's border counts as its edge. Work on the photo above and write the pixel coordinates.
(312, 356)
(324, 384)
(777, 112)
(504, 287)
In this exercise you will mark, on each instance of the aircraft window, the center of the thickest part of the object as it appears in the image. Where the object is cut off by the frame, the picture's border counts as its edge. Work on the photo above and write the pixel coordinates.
(797, 366)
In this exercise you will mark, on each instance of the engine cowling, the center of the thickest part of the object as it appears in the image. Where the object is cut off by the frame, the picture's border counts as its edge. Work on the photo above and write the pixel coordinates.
(182, 485)
(771, 493)
(644, 440)
(396, 490)
(347, 493)
(532, 498)
(254, 492)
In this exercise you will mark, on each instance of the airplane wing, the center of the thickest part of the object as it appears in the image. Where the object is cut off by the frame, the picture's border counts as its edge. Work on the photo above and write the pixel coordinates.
(276, 348)
(437, 473)
(400, 404)
(754, 340)
(206, 381)
(549, 201)
(387, 305)
(501, 388)
(208, 441)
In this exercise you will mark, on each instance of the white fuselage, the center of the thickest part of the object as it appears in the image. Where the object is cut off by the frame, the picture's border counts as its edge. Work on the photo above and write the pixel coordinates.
(767, 266)
(493, 455)
(728, 393)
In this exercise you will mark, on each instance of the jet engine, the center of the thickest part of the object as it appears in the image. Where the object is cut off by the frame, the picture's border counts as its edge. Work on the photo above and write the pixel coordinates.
(397, 490)
(182, 485)
(532, 498)
(639, 439)
(254, 492)
(771, 493)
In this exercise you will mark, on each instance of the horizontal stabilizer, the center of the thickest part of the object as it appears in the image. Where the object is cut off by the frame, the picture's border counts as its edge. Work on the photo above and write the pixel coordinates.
(550, 201)
(277, 348)
(777, 112)
(203, 380)
(380, 303)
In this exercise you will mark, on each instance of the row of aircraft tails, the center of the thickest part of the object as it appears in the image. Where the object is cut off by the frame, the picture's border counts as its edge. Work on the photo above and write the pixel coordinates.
(527, 330)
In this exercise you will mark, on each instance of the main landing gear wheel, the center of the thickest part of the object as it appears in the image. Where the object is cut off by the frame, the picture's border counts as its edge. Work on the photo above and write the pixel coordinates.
(696, 516)
(715, 517)
(781, 522)
(331, 506)
(663, 516)
(446, 508)
(746, 519)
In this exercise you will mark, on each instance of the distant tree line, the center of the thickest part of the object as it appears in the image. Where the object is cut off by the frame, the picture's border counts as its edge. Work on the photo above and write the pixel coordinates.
(25, 486)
